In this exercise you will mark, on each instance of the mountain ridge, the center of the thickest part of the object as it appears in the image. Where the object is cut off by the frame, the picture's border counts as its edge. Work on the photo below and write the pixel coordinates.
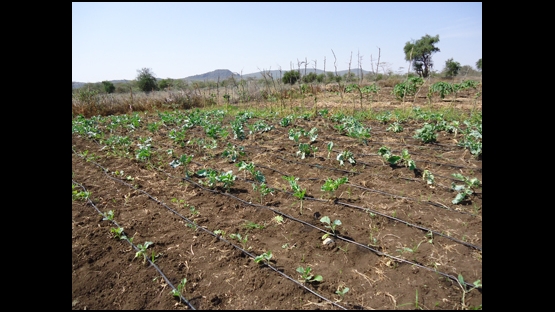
(223, 74)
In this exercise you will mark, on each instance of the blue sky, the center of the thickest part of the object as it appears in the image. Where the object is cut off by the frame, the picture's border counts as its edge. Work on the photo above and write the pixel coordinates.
(111, 41)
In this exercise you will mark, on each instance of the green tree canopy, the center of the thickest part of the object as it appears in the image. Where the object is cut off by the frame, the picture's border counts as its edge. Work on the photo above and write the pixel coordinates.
(479, 64)
(146, 80)
(109, 87)
(166, 83)
(420, 52)
(291, 77)
(452, 68)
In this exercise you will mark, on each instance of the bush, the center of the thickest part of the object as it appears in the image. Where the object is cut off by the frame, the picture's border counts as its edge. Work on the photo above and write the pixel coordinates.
(291, 77)
(146, 81)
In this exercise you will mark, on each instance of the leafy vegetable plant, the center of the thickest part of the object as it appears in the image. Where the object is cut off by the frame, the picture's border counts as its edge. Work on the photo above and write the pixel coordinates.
(465, 190)
(297, 191)
(264, 257)
(332, 185)
(330, 225)
(180, 287)
(307, 277)
(346, 156)
(142, 250)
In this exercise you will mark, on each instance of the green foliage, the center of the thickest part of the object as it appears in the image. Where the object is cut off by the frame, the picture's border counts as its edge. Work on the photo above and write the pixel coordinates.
(180, 287)
(233, 152)
(479, 64)
(264, 257)
(297, 190)
(465, 190)
(405, 157)
(428, 177)
(310, 77)
(452, 68)
(108, 215)
(165, 83)
(332, 185)
(108, 86)
(79, 195)
(341, 291)
(118, 233)
(407, 88)
(330, 225)
(307, 277)
(305, 150)
(142, 250)
(146, 80)
(291, 77)
(420, 53)
(346, 156)
(442, 88)
(427, 133)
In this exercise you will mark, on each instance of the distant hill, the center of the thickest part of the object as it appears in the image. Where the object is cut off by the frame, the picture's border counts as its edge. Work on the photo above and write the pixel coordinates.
(226, 73)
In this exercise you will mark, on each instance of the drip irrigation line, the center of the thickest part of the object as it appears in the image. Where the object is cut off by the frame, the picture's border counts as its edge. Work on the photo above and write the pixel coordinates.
(207, 231)
(339, 236)
(137, 249)
(372, 190)
(395, 219)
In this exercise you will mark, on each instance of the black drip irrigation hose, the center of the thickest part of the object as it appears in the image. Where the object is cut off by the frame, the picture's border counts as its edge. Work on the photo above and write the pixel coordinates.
(371, 190)
(137, 249)
(336, 235)
(211, 233)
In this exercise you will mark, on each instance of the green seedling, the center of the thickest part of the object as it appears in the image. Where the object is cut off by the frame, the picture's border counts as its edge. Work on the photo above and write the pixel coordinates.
(79, 195)
(238, 237)
(249, 225)
(346, 156)
(462, 284)
(264, 257)
(219, 232)
(307, 277)
(142, 251)
(332, 226)
(416, 306)
(233, 152)
(297, 191)
(463, 191)
(395, 127)
(429, 178)
(427, 133)
(118, 232)
(108, 215)
(306, 149)
(329, 146)
(278, 219)
(341, 291)
(180, 288)
(263, 190)
(331, 185)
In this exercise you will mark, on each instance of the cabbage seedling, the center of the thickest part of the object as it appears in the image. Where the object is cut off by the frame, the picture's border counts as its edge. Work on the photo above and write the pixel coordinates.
(265, 256)
(332, 185)
(307, 277)
(331, 226)
(180, 287)
(142, 250)
(108, 215)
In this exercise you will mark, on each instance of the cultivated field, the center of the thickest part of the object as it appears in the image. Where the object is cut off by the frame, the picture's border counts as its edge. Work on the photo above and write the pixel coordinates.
(234, 199)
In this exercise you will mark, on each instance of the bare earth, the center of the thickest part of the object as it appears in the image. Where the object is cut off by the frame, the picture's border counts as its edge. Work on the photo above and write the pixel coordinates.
(387, 256)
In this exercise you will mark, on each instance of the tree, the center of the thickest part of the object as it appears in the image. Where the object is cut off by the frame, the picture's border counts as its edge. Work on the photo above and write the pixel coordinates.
(109, 87)
(420, 52)
(146, 80)
(452, 68)
(291, 77)
(166, 83)
(479, 64)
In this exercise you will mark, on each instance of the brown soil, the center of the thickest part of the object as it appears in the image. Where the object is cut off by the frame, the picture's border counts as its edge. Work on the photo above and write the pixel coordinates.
(371, 250)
